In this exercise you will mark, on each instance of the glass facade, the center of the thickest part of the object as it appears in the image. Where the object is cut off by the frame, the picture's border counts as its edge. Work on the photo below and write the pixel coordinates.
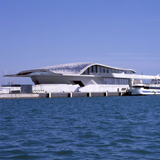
(119, 81)
(96, 69)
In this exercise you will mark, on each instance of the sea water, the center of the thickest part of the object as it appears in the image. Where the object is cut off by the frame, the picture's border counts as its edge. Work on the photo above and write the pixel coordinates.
(80, 128)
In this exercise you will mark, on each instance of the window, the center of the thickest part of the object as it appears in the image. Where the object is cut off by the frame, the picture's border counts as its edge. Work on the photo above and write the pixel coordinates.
(101, 69)
(90, 70)
(98, 69)
(86, 71)
(117, 71)
(105, 70)
(115, 81)
(94, 69)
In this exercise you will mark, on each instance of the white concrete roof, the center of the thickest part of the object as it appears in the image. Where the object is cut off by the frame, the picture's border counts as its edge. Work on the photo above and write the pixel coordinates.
(65, 69)
(76, 68)
(70, 68)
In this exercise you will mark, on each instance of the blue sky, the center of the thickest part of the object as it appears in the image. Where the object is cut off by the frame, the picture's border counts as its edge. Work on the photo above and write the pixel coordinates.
(119, 33)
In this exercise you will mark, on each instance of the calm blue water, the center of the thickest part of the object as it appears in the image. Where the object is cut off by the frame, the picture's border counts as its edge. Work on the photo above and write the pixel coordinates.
(80, 128)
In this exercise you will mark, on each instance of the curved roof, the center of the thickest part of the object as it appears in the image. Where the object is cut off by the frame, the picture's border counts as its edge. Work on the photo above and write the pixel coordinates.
(70, 68)
(76, 68)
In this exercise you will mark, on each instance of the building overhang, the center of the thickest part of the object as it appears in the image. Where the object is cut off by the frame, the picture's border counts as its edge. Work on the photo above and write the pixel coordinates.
(71, 69)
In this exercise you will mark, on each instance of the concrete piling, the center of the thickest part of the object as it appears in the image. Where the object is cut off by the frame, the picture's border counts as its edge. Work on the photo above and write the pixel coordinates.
(70, 94)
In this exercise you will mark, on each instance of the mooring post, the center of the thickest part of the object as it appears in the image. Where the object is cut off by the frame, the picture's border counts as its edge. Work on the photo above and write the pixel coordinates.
(50, 96)
(70, 94)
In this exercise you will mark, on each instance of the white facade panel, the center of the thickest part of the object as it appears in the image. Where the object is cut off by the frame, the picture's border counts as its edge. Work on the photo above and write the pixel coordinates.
(103, 88)
(46, 88)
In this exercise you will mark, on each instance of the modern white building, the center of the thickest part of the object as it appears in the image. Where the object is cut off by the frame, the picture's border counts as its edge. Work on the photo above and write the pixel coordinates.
(82, 77)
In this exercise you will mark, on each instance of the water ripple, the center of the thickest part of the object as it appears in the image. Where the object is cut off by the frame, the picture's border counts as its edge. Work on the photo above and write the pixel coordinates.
(80, 128)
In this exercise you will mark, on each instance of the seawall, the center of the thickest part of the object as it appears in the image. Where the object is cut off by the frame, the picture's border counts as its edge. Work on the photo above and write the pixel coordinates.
(60, 95)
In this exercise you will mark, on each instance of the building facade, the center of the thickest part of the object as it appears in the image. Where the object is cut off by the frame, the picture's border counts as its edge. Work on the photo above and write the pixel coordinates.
(88, 76)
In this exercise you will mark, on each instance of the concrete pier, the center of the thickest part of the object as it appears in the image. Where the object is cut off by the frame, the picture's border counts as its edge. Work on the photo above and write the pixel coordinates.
(18, 95)
(60, 95)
